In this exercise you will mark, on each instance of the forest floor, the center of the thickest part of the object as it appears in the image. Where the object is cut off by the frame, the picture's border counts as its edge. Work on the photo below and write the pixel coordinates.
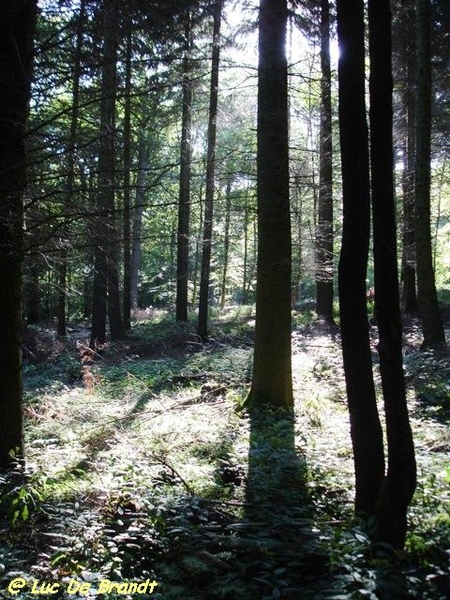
(144, 466)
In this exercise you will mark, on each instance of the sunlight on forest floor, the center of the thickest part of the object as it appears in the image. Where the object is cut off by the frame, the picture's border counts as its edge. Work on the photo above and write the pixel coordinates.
(141, 468)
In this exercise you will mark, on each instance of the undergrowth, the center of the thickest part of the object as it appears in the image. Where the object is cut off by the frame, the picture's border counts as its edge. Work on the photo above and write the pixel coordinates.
(151, 469)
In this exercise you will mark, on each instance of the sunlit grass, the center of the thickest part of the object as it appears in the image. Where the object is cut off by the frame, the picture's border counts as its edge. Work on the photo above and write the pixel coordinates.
(154, 449)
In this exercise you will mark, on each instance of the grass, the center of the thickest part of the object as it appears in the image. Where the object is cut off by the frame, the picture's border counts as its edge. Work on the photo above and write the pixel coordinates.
(148, 468)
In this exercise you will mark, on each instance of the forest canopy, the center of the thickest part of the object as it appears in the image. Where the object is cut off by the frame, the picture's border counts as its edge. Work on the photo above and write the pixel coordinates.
(237, 212)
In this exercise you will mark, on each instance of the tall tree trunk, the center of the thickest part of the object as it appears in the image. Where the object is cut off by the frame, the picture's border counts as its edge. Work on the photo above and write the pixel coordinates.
(226, 244)
(409, 296)
(99, 293)
(432, 328)
(33, 308)
(399, 483)
(245, 265)
(197, 246)
(365, 425)
(68, 198)
(298, 271)
(127, 184)
(441, 192)
(202, 325)
(106, 288)
(272, 370)
(87, 191)
(18, 22)
(184, 206)
(116, 327)
(143, 158)
(324, 241)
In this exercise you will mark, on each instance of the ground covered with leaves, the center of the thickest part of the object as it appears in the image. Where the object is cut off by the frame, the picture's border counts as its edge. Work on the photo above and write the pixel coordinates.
(143, 465)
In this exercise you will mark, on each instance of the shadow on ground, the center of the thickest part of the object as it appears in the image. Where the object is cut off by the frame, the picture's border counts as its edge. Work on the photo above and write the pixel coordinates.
(277, 519)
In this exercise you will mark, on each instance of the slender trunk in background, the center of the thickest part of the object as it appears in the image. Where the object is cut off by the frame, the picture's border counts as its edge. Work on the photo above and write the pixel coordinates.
(272, 370)
(441, 193)
(324, 239)
(400, 480)
(88, 193)
(62, 291)
(143, 158)
(226, 244)
(409, 296)
(33, 307)
(202, 325)
(16, 40)
(184, 203)
(252, 267)
(298, 271)
(116, 327)
(71, 150)
(106, 282)
(432, 328)
(245, 266)
(366, 432)
(197, 247)
(127, 184)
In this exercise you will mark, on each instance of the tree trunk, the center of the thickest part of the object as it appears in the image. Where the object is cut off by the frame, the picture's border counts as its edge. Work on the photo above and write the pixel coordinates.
(245, 265)
(127, 184)
(324, 241)
(18, 22)
(143, 157)
(68, 198)
(365, 425)
(432, 328)
(99, 293)
(272, 370)
(409, 296)
(197, 246)
(87, 191)
(298, 272)
(33, 308)
(106, 284)
(116, 327)
(226, 244)
(399, 483)
(202, 325)
(184, 206)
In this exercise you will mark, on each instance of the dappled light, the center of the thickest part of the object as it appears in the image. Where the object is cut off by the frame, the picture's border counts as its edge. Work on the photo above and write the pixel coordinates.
(224, 300)
(158, 472)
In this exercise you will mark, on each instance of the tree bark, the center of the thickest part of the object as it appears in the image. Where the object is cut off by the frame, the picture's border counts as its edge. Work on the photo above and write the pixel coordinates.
(18, 23)
(33, 307)
(272, 370)
(432, 328)
(409, 296)
(245, 265)
(365, 425)
(184, 205)
(68, 199)
(136, 252)
(106, 282)
(226, 244)
(399, 483)
(325, 256)
(202, 325)
(127, 184)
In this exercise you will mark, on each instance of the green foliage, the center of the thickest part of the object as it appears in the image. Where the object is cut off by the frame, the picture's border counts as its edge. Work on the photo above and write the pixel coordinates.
(21, 497)
(430, 377)
(304, 317)
(150, 474)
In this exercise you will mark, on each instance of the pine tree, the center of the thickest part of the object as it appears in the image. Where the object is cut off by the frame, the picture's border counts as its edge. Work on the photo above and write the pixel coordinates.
(272, 370)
